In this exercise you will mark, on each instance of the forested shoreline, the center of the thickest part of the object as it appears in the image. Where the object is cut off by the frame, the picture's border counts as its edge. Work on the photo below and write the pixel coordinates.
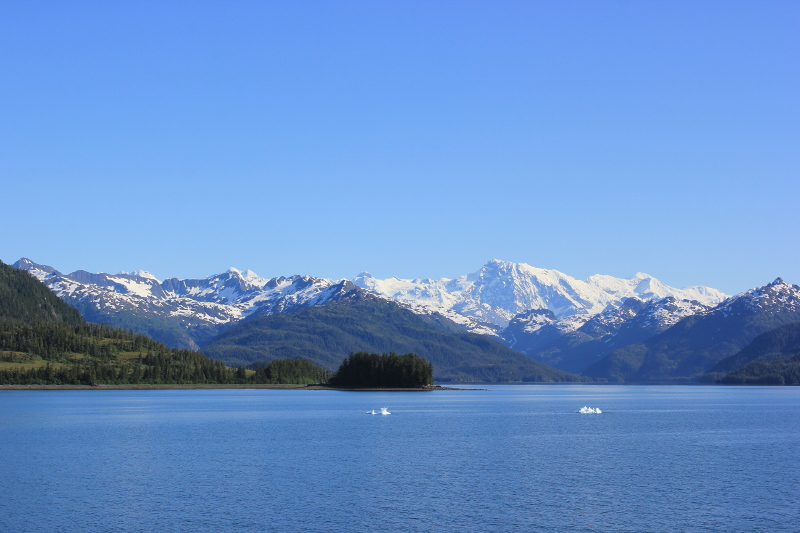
(91, 354)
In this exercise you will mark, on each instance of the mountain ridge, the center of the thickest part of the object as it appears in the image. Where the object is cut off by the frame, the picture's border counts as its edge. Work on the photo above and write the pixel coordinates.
(500, 290)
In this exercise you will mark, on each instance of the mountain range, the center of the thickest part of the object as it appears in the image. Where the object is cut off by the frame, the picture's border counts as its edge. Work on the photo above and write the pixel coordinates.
(501, 290)
(483, 302)
(618, 329)
(185, 313)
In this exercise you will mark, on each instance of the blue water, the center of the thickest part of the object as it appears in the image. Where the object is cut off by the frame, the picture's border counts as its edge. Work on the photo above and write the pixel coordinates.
(513, 458)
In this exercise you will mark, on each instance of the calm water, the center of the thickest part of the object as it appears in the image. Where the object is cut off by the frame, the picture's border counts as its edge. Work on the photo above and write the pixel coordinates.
(514, 458)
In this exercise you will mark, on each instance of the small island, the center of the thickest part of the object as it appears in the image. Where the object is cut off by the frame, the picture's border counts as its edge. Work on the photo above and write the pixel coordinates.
(364, 370)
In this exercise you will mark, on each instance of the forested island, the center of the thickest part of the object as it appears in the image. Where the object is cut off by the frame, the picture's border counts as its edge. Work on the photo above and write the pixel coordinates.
(371, 370)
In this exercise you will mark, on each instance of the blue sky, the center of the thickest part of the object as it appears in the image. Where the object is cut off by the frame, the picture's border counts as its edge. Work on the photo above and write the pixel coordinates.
(416, 139)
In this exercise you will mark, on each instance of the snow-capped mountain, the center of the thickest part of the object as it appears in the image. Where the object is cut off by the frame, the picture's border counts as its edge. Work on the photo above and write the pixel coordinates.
(567, 343)
(692, 346)
(651, 340)
(500, 290)
(199, 306)
(634, 329)
(777, 296)
(537, 329)
(483, 302)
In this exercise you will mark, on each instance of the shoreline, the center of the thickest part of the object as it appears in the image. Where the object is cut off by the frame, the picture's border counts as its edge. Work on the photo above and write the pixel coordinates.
(219, 386)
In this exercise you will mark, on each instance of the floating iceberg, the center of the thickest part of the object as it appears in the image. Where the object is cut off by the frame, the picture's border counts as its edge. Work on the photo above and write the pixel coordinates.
(383, 411)
(589, 410)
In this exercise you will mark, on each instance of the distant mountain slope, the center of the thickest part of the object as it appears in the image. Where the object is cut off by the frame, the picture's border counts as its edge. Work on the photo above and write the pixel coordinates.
(328, 333)
(779, 343)
(695, 344)
(500, 290)
(573, 350)
(550, 340)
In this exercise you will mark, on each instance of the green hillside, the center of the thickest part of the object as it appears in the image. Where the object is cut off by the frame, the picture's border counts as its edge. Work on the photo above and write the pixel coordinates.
(24, 300)
(773, 358)
(44, 341)
(169, 330)
(326, 334)
(775, 344)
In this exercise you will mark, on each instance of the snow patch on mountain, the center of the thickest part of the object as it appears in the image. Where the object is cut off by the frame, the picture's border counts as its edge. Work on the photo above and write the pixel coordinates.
(466, 323)
(665, 313)
(568, 324)
(141, 274)
(535, 319)
(134, 284)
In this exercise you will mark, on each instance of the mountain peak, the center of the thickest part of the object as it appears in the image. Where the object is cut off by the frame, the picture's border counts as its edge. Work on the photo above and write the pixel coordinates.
(35, 269)
(247, 276)
(509, 268)
(145, 274)
(503, 266)
(765, 296)
(495, 265)
(778, 285)
(26, 264)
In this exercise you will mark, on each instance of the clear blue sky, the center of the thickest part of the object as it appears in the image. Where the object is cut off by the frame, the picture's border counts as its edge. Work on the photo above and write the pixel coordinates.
(416, 139)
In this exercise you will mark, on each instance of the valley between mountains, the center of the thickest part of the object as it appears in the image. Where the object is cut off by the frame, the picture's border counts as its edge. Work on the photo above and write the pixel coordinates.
(507, 322)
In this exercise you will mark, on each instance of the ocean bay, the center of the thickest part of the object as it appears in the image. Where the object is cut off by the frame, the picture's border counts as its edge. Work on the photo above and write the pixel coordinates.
(511, 458)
